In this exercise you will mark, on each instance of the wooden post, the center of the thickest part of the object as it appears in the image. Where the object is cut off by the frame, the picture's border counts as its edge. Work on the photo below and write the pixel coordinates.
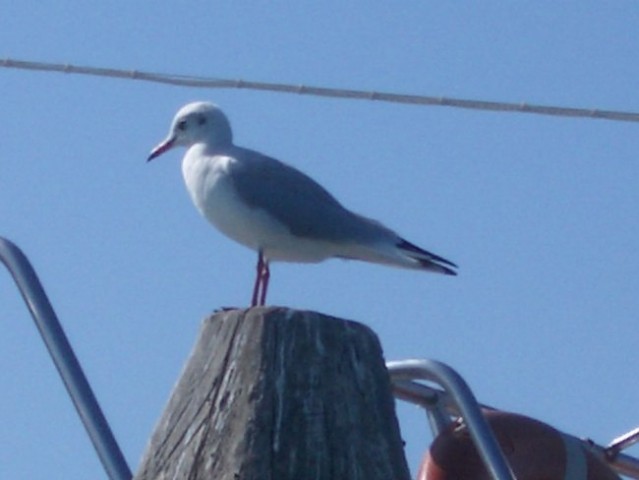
(279, 394)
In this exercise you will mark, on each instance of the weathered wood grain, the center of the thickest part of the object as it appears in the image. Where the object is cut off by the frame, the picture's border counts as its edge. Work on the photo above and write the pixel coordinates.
(278, 394)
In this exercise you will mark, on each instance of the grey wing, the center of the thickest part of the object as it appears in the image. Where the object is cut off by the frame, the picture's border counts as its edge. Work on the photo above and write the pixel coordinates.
(299, 202)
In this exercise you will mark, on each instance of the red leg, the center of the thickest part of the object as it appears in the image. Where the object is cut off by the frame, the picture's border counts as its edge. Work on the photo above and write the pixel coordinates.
(258, 278)
(266, 274)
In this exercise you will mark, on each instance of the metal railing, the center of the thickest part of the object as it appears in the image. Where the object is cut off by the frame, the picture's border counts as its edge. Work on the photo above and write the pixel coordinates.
(458, 394)
(455, 399)
(65, 361)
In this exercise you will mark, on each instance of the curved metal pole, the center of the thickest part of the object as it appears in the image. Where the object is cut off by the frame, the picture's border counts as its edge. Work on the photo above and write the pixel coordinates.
(469, 409)
(65, 361)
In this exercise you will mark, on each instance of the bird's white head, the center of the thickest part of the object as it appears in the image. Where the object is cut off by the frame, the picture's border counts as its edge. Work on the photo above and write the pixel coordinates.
(197, 122)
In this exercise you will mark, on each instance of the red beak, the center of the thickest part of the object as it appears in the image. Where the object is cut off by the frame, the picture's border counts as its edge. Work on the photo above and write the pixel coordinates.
(161, 148)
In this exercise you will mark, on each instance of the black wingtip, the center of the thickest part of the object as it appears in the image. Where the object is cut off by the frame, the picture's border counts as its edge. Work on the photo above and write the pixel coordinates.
(433, 266)
(429, 260)
(448, 271)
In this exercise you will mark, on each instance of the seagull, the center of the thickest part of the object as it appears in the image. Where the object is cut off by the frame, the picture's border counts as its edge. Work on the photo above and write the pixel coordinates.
(275, 209)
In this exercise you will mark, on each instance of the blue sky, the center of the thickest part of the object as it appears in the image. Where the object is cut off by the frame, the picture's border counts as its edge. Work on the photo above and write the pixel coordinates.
(539, 212)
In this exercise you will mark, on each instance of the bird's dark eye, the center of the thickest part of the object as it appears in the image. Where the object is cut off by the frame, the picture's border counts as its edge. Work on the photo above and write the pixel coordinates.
(201, 120)
(181, 125)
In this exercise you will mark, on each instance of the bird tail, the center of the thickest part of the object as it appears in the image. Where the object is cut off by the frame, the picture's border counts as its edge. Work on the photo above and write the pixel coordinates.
(425, 259)
(399, 253)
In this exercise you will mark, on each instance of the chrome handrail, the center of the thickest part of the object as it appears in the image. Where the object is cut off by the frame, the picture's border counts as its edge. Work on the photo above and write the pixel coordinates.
(65, 361)
(440, 404)
(462, 397)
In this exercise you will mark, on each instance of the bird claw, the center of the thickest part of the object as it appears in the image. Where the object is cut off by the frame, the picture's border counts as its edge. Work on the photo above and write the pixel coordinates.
(225, 309)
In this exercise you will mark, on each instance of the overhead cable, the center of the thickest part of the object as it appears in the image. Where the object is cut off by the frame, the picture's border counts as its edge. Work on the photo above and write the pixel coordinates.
(208, 82)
